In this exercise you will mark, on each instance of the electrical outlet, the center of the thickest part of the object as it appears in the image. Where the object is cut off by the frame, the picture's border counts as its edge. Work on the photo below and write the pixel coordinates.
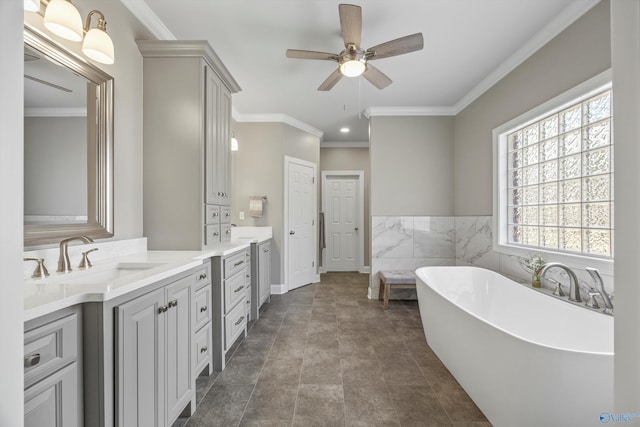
(241, 215)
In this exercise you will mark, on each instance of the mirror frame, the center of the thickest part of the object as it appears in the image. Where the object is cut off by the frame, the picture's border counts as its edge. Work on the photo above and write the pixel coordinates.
(100, 211)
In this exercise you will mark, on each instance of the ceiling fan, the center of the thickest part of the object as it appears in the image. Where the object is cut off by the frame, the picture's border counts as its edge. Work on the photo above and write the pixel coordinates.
(354, 60)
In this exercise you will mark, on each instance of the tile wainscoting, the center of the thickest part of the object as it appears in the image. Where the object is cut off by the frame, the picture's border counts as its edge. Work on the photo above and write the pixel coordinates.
(410, 242)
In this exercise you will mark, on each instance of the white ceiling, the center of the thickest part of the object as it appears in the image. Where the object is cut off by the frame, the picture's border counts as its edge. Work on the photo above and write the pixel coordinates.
(469, 45)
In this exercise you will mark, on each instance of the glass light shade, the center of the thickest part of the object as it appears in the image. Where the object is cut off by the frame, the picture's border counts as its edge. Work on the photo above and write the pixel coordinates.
(32, 5)
(63, 19)
(98, 46)
(234, 144)
(352, 68)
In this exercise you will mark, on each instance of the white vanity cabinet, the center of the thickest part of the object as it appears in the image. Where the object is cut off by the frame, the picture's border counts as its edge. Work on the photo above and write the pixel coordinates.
(53, 370)
(230, 288)
(187, 143)
(154, 355)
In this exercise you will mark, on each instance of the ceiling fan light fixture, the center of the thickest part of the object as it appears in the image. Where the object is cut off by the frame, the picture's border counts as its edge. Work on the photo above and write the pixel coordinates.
(63, 19)
(352, 68)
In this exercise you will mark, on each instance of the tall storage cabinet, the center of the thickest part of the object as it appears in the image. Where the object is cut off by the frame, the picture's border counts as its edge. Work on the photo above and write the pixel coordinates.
(187, 117)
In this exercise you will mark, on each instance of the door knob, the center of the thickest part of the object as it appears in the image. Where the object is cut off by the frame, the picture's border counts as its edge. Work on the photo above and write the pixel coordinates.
(292, 232)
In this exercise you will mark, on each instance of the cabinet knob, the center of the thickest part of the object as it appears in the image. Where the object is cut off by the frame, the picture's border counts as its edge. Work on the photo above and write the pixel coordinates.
(204, 349)
(239, 321)
(215, 233)
(202, 276)
(215, 214)
(173, 303)
(227, 214)
(203, 308)
(162, 309)
(248, 276)
(239, 289)
(32, 360)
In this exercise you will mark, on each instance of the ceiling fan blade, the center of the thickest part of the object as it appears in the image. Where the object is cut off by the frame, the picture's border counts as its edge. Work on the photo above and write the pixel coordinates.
(376, 77)
(53, 85)
(395, 47)
(331, 80)
(350, 23)
(310, 54)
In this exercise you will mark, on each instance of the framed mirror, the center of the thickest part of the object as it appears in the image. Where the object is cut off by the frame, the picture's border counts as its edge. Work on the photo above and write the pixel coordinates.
(68, 180)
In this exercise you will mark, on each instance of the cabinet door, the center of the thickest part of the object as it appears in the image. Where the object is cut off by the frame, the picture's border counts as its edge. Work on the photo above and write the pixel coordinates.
(265, 272)
(141, 361)
(178, 344)
(54, 400)
(224, 146)
(213, 193)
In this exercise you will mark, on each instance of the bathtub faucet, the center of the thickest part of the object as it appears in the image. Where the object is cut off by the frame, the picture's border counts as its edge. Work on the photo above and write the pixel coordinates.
(574, 290)
(595, 275)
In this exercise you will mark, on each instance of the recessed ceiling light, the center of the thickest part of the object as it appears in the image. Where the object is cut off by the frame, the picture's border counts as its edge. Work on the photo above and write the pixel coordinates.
(344, 130)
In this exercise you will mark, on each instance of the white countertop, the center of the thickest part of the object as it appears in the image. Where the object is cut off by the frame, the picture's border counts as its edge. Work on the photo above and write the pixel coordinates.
(103, 282)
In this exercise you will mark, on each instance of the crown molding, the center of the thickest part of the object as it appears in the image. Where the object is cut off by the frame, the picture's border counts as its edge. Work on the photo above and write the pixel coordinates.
(344, 144)
(56, 112)
(277, 118)
(189, 49)
(408, 111)
(558, 24)
(149, 19)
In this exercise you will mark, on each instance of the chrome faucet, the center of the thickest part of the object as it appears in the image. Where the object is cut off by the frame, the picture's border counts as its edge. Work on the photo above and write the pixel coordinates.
(595, 275)
(64, 265)
(574, 290)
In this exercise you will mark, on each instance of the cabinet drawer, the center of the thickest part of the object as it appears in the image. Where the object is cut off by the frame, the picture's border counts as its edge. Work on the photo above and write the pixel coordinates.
(225, 232)
(49, 347)
(211, 234)
(234, 263)
(54, 400)
(235, 323)
(235, 290)
(202, 349)
(202, 275)
(225, 214)
(212, 214)
(202, 306)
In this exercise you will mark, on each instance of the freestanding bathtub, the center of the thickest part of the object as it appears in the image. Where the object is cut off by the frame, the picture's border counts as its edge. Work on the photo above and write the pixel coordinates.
(525, 358)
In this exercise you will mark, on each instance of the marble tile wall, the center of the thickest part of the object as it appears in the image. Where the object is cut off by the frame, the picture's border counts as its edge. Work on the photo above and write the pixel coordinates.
(410, 242)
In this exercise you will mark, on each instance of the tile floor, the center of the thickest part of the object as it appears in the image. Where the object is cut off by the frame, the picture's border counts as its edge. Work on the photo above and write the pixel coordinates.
(325, 355)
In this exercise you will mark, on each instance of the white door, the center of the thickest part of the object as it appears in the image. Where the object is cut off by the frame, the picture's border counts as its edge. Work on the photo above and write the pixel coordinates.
(301, 216)
(341, 223)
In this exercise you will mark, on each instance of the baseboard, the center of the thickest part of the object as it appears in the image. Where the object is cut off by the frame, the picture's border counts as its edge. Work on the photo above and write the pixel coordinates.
(322, 270)
(365, 269)
(278, 289)
(369, 293)
(317, 279)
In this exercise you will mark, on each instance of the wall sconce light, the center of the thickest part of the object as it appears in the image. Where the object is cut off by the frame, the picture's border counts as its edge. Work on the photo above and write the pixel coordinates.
(63, 19)
(234, 143)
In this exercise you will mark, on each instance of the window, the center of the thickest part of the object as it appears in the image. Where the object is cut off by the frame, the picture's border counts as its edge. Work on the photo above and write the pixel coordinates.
(555, 176)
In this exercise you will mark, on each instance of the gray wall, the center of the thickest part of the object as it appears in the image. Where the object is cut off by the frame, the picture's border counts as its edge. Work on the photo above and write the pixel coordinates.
(124, 30)
(350, 159)
(578, 53)
(411, 165)
(55, 166)
(11, 172)
(258, 170)
(625, 38)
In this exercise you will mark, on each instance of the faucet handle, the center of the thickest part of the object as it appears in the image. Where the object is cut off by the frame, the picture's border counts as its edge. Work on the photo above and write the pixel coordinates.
(41, 270)
(85, 262)
(592, 302)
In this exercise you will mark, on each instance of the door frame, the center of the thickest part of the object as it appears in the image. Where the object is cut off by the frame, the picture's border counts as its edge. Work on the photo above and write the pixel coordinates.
(359, 174)
(285, 230)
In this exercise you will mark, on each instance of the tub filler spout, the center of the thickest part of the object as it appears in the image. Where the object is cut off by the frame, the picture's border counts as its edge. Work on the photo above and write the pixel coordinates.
(574, 289)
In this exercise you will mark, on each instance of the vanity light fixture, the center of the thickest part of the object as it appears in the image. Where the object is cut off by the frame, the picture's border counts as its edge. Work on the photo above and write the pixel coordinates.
(32, 5)
(234, 143)
(97, 44)
(344, 130)
(63, 19)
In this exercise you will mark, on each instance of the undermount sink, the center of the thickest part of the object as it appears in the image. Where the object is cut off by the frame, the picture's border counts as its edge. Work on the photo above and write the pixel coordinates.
(112, 273)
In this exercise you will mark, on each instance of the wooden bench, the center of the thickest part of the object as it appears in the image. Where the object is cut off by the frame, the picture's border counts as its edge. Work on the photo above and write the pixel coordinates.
(396, 280)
